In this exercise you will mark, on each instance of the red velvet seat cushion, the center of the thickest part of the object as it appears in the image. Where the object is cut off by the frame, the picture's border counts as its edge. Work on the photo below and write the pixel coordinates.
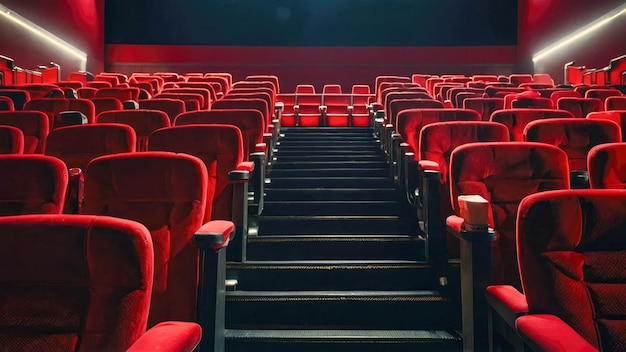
(580, 107)
(573, 266)
(73, 283)
(32, 184)
(505, 173)
(574, 136)
(615, 103)
(144, 122)
(166, 192)
(517, 119)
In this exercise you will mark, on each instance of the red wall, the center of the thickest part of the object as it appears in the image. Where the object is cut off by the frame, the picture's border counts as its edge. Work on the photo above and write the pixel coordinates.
(543, 22)
(78, 22)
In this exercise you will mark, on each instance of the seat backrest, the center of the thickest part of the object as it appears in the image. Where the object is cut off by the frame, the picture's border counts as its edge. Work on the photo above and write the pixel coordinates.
(166, 192)
(517, 119)
(206, 94)
(607, 166)
(220, 147)
(249, 121)
(53, 107)
(503, 174)
(86, 92)
(573, 264)
(580, 107)
(32, 184)
(331, 89)
(6, 104)
(212, 87)
(193, 101)
(270, 78)
(545, 78)
(73, 283)
(501, 92)
(454, 92)
(532, 103)
(397, 105)
(106, 104)
(484, 106)
(617, 116)
(18, 96)
(388, 96)
(77, 145)
(172, 107)
(223, 82)
(361, 89)
(615, 103)
(410, 122)
(574, 136)
(34, 126)
(11, 140)
(144, 122)
(246, 103)
(556, 95)
(517, 79)
(255, 85)
(602, 94)
(305, 89)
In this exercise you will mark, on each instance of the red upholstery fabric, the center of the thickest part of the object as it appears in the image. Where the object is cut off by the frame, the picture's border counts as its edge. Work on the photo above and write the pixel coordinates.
(617, 116)
(73, 283)
(615, 103)
(331, 89)
(505, 173)
(410, 122)
(6, 104)
(438, 140)
(484, 106)
(574, 136)
(86, 92)
(169, 337)
(288, 117)
(192, 101)
(517, 79)
(54, 106)
(545, 332)
(213, 87)
(167, 193)
(106, 104)
(543, 78)
(507, 301)
(265, 94)
(78, 145)
(266, 78)
(580, 107)
(253, 103)
(308, 113)
(602, 94)
(144, 122)
(305, 89)
(32, 184)
(18, 96)
(572, 266)
(397, 105)
(607, 166)
(360, 89)
(337, 113)
(206, 94)
(220, 147)
(250, 123)
(533, 103)
(11, 140)
(555, 96)
(470, 92)
(172, 107)
(33, 124)
(360, 112)
(122, 94)
(517, 119)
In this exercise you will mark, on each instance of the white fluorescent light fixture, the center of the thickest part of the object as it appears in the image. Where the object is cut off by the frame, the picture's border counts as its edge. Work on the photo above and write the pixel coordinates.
(43, 34)
(579, 34)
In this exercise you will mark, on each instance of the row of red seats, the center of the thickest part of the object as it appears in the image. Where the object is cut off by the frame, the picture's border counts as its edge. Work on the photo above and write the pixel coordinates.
(613, 73)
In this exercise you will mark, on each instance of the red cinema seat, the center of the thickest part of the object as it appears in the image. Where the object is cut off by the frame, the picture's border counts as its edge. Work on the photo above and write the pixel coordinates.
(6, 104)
(11, 140)
(268, 78)
(172, 107)
(54, 107)
(571, 262)
(517, 119)
(337, 110)
(247, 103)
(556, 95)
(144, 122)
(305, 89)
(361, 89)
(503, 174)
(106, 104)
(167, 193)
(420, 79)
(308, 110)
(607, 166)
(57, 271)
(286, 104)
(484, 106)
(35, 184)
(432, 177)
(220, 147)
(485, 78)
(18, 96)
(602, 93)
(212, 87)
(575, 137)
(122, 94)
(615, 103)
(254, 85)
(580, 107)
(77, 145)
(457, 102)
(121, 78)
(98, 84)
(617, 116)
(34, 126)
(86, 92)
(193, 101)
(206, 95)
(543, 78)
(265, 94)
(517, 79)
(360, 110)
(331, 89)
(224, 78)
(224, 86)
(501, 92)
(111, 80)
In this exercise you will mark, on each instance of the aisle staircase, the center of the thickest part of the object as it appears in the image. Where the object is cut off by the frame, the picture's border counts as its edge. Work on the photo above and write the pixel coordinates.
(334, 265)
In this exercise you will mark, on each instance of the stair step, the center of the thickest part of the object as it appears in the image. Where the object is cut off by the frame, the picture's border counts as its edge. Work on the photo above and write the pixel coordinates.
(311, 225)
(347, 194)
(329, 182)
(419, 309)
(339, 247)
(329, 157)
(342, 340)
(330, 164)
(332, 172)
(321, 208)
(306, 275)
(371, 148)
(327, 130)
(339, 142)
(328, 137)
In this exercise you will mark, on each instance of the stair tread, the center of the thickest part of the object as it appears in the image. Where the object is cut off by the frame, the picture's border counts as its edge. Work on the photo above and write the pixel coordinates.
(339, 294)
(326, 335)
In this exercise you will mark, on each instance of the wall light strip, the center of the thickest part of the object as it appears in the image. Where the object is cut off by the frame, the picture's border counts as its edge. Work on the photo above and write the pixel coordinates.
(579, 34)
(41, 33)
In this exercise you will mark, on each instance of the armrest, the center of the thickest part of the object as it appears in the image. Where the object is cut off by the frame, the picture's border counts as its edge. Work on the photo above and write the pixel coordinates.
(323, 108)
(376, 106)
(169, 337)
(508, 302)
(428, 165)
(279, 105)
(214, 234)
(350, 109)
(260, 147)
(246, 166)
(546, 332)
(456, 226)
